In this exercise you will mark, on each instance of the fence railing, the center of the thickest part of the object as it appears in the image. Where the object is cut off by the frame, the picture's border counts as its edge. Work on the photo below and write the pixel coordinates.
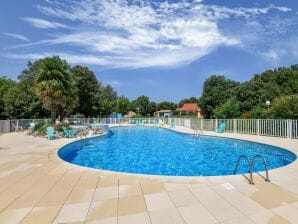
(262, 127)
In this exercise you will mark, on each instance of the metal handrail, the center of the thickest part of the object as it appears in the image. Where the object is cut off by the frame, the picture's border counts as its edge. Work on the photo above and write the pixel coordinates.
(249, 165)
(265, 165)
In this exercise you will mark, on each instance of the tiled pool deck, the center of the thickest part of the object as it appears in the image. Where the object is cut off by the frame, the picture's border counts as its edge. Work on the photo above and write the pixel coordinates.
(38, 187)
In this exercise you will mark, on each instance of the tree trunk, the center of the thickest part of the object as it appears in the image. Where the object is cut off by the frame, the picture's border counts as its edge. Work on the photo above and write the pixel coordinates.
(53, 117)
(61, 115)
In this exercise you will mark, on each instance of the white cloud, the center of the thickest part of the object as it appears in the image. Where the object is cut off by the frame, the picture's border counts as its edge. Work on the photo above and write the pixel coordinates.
(17, 36)
(139, 33)
(42, 24)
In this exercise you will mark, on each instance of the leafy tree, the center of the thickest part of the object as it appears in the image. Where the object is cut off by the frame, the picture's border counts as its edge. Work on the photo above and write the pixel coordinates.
(230, 109)
(216, 91)
(259, 112)
(285, 107)
(106, 100)
(165, 105)
(5, 85)
(21, 102)
(123, 105)
(55, 86)
(188, 100)
(88, 87)
(143, 106)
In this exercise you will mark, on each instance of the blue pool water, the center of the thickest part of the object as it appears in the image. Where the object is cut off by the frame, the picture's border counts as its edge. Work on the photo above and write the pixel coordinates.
(158, 151)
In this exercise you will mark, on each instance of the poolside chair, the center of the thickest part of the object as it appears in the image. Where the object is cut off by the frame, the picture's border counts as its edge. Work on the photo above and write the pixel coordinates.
(173, 123)
(138, 122)
(220, 128)
(143, 122)
(68, 133)
(51, 133)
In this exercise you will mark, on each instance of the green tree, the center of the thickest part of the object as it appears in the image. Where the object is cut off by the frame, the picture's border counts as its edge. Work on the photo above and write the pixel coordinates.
(21, 102)
(88, 87)
(216, 91)
(230, 109)
(123, 105)
(285, 107)
(5, 85)
(55, 86)
(165, 105)
(143, 106)
(259, 112)
(106, 100)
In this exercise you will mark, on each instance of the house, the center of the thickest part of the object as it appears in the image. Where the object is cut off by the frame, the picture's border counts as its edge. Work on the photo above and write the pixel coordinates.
(130, 114)
(163, 113)
(190, 108)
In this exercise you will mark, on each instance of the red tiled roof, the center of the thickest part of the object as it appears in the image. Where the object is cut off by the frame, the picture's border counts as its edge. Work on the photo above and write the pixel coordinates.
(189, 107)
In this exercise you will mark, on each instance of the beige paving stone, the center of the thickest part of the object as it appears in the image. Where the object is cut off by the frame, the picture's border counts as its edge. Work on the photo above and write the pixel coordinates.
(54, 197)
(295, 204)
(222, 210)
(240, 220)
(131, 205)
(31, 197)
(158, 201)
(205, 194)
(87, 181)
(167, 216)
(287, 212)
(265, 191)
(13, 216)
(104, 193)
(103, 210)
(80, 196)
(183, 198)
(196, 214)
(112, 220)
(174, 186)
(107, 181)
(268, 217)
(72, 213)
(140, 218)
(44, 215)
(129, 190)
(243, 203)
(152, 187)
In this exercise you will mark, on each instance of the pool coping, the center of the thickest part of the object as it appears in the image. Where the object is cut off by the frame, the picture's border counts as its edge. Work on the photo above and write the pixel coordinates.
(166, 178)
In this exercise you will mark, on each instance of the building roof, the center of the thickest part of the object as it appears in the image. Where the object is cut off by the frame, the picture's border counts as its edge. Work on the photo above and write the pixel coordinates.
(189, 107)
(163, 111)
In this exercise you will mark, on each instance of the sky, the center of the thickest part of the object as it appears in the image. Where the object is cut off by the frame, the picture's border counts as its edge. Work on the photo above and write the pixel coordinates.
(161, 49)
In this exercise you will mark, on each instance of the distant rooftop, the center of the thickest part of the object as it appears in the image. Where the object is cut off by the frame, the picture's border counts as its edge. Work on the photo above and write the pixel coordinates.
(189, 107)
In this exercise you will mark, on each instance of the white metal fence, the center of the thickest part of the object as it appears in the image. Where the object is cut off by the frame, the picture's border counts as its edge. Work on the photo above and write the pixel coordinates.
(263, 127)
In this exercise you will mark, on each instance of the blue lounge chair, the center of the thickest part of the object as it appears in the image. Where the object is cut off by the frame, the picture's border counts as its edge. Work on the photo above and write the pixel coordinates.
(138, 122)
(51, 133)
(220, 128)
(69, 133)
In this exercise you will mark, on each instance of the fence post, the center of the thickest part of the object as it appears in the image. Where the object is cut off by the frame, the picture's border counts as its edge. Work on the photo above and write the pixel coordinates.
(258, 127)
(216, 123)
(289, 128)
(235, 125)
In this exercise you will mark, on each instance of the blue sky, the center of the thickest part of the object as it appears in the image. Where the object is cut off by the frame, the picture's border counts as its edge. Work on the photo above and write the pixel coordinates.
(162, 49)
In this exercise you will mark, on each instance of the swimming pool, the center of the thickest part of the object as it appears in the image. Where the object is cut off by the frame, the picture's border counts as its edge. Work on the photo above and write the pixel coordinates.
(159, 151)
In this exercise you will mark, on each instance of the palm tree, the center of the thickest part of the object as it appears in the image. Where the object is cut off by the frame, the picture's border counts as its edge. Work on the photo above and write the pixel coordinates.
(55, 86)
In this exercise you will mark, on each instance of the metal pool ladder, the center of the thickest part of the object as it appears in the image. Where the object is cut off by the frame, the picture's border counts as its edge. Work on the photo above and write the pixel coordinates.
(251, 165)
(197, 133)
